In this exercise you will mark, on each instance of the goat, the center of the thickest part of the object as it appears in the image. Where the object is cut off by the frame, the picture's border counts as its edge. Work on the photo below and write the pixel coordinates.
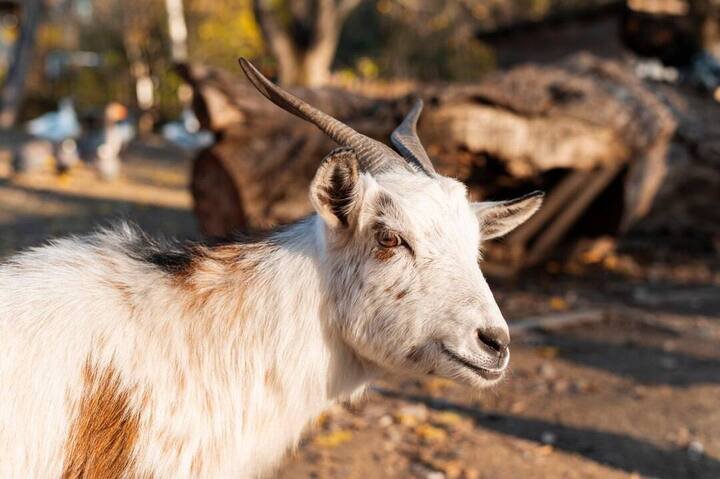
(126, 357)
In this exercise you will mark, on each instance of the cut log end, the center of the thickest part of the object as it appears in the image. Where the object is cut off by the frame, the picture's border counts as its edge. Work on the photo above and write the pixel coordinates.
(218, 204)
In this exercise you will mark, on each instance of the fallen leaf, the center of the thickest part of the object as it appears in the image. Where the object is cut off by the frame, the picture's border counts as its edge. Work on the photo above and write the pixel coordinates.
(332, 439)
(558, 303)
(430, 433)
(547, 352)
(448, 418)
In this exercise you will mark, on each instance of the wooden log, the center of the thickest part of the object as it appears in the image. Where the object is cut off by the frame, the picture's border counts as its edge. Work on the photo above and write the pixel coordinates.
(217, 198)
(583, 114)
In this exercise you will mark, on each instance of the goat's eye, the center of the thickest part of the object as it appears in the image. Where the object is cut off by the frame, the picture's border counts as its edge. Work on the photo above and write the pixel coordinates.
(388, 239)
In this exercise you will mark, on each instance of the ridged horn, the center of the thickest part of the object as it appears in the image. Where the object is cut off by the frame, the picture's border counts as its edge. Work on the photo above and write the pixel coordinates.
(406, 140)
(372, 155)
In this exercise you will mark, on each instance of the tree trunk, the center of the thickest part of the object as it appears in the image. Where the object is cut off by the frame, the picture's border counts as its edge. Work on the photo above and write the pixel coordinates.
(14, 86)
(177, 29)
(310, 68)
(304, 45)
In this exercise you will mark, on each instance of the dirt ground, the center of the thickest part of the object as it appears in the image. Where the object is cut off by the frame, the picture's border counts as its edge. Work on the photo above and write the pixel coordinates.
(636, 394)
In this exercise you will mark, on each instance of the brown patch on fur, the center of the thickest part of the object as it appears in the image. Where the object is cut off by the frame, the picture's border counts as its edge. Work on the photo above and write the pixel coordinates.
(217, 282)
(103, 434)
(222, 274)
(384, 254)
(401, 294)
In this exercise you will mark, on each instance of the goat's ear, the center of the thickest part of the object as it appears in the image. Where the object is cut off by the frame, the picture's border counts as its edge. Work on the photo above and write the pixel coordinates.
(498, 218)
(336, 190)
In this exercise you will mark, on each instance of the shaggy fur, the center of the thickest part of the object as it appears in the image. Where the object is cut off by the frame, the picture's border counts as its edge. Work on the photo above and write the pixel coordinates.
(118, 364)
(123, 357)
(126, 358)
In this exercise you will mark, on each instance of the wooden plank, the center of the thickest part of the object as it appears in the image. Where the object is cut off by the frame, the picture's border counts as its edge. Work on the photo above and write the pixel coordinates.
(564, 221)
(556, 201)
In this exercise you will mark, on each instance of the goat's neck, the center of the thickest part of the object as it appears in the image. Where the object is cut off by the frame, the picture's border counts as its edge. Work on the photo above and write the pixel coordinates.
(285, 329)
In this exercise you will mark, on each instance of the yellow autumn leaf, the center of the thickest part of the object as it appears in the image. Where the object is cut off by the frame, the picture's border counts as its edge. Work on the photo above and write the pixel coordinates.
(430, 433)
(448, 418)
(558, 304)
(437, 385)
(332, 439)
(547, 352)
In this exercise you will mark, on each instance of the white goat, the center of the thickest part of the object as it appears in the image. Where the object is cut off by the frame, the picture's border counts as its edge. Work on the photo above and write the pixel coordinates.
(122, 357)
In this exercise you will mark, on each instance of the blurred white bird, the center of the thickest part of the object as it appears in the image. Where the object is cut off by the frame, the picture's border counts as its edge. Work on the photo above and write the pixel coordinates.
(56, 126)
(186, 132)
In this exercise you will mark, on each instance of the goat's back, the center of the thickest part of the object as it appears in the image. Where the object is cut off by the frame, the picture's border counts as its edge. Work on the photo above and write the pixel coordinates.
(75, 347)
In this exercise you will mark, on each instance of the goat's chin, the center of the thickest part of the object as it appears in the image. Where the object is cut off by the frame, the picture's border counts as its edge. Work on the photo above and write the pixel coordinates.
(477, 382)
(473, 377)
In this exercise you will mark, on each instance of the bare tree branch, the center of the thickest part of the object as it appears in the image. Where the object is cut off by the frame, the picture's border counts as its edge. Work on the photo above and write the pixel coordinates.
(278, 39)
(306, 45)
(13, 88)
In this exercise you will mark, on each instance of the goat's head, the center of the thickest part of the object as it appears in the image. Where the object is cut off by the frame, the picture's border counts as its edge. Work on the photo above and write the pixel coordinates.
(401, 246)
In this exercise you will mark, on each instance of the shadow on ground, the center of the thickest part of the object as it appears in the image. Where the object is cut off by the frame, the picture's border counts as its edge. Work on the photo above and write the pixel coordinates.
(85, 214)
(645, 364)
(603, 447)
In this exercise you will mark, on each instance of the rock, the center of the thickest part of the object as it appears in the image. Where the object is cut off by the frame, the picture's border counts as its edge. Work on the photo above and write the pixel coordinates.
(548, 437)
(385, 421)
(412, 414)
(547, 371)
(424, 472)
(669, 362)
(695, 450)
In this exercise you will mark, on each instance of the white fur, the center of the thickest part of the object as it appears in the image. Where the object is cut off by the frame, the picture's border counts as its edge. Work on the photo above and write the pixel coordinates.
(323, 319)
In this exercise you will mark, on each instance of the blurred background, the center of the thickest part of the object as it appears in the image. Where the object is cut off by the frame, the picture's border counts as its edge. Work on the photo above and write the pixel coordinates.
(137, 110)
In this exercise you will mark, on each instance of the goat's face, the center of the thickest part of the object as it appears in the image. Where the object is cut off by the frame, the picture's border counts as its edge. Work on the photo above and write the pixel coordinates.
(402, 245)
(402, 250)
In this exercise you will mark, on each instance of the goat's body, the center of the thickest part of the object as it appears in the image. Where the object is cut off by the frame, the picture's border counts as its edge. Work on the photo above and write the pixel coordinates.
(130, 362)
(122, 359)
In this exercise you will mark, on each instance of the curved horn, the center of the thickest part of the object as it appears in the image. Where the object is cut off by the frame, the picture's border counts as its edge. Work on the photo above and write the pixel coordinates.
(406, 140)
(371, 154)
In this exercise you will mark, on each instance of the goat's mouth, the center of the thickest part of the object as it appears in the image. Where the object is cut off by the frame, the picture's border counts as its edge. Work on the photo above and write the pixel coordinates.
(489, 374)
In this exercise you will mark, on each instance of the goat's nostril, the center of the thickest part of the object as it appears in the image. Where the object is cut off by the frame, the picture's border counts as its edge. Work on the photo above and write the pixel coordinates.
(496, 339)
